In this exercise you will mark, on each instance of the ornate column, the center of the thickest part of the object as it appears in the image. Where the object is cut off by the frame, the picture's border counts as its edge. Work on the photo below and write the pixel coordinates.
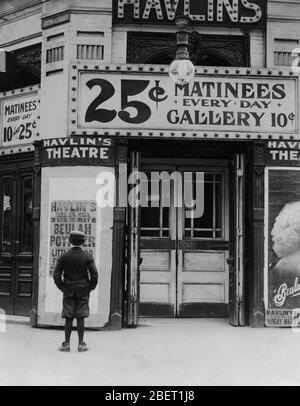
(257, 314)
(36, 231)
(118, 248)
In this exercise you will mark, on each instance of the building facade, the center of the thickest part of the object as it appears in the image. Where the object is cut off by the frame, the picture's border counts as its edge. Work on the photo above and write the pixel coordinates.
(188, 195)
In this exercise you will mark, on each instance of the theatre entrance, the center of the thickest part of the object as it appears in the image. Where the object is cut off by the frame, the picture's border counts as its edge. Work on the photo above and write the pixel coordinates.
(186, 246)
(16, 237)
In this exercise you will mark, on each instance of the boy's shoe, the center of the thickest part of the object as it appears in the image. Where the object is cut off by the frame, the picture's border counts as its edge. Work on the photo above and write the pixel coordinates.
(65, 347)
(82, 347)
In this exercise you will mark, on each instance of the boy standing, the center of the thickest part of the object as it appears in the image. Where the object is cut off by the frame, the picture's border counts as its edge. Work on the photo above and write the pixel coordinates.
(75, 275)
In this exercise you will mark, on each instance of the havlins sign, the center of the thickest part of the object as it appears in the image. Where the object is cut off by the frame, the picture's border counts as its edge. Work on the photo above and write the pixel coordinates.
(204, 12)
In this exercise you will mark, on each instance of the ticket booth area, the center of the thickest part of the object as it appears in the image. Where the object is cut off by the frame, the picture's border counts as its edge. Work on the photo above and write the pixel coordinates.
(191, 262)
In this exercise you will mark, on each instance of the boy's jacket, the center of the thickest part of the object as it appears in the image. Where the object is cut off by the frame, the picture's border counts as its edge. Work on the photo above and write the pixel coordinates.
(75, 270)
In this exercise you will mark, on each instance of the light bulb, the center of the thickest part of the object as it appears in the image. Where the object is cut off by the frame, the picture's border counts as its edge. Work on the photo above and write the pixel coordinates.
(182, 71)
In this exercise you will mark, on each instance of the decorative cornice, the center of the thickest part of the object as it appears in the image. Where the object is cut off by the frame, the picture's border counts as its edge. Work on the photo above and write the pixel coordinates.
(22, 7)
(55, 19)
(18, 156)
(22, 90)
(283, 19)
(93, 10)
(78, 10)
(23, 39)
(64, 16)
(16, 13)
(285, 1)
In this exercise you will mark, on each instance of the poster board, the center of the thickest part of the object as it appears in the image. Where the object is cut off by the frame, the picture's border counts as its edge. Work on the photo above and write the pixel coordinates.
(65, 190)
(19, 117)
(67, 216)
(282, 246)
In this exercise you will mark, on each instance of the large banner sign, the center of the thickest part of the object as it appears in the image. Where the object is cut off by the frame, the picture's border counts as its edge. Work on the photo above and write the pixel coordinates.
(19, 119)
(282, 251)
(220, 103)
(204, 12)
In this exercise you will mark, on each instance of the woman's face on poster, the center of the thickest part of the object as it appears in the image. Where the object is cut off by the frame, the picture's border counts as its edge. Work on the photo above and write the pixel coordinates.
(286, 237)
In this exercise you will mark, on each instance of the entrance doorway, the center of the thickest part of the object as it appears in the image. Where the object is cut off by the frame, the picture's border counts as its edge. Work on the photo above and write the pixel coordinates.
(183, 265)
(184, 272)
(16, 239)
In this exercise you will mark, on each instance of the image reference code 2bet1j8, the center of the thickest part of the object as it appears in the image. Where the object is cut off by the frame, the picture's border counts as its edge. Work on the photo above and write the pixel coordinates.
(135, 397)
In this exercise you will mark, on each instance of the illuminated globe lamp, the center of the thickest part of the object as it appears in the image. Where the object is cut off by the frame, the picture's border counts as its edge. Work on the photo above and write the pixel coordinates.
(182, 69)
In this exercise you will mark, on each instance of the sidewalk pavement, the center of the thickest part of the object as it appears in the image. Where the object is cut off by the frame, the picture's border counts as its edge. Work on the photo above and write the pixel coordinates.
(159, 352)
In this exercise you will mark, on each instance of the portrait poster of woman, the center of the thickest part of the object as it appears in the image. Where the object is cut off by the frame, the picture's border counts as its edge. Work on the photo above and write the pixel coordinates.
(284, 239)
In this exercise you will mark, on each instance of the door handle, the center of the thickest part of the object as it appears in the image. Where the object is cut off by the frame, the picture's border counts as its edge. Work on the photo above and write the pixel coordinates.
(230, 261)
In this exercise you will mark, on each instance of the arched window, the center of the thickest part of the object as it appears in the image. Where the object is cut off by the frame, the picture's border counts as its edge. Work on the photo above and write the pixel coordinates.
(162, 57)
(207, 58)
(205, 49)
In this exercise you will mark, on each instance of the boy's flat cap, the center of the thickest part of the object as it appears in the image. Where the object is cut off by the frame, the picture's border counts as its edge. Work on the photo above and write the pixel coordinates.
(77, 236)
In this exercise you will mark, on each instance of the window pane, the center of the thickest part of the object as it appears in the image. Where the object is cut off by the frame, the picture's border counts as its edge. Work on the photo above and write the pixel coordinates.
(150, 217)
(165, 213)
(206, 221)
(166, 233)
(27, 226)
(219, 205)
(203, 234)
(155, 220)
(6, 216)
(188, 227)
(210, 224)
(219, 177)
(149, 233)
(208, 177)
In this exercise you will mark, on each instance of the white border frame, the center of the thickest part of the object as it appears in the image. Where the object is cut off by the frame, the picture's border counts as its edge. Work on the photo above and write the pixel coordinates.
(266, 226)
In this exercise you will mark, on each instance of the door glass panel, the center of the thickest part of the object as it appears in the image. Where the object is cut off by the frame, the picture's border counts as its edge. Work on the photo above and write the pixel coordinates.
(27, 225)
(185, 278)
(210, 224)
(6, 215)
(219, 209)
(155, 220)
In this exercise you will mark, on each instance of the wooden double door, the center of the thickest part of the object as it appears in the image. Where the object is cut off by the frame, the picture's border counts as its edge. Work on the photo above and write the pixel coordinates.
(186, 254)
(16, 238)
(184, 243)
